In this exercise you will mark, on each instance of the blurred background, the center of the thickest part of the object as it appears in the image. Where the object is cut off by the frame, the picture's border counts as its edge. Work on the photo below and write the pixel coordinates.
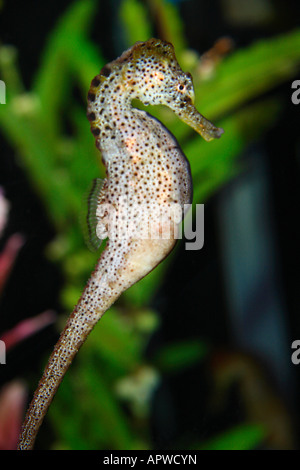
(198, 354)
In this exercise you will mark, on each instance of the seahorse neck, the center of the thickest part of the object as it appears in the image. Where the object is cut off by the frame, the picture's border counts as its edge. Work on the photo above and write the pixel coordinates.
(120, 123)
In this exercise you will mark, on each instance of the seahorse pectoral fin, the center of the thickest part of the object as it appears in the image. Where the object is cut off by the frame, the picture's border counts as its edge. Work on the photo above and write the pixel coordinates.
(199, 123)
(89, 220)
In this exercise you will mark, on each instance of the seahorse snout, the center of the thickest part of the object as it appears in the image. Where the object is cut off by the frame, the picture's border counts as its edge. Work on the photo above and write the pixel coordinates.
(187, 112)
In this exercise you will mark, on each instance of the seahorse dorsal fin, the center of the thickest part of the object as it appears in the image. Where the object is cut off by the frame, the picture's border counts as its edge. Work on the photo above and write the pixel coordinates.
(89, 219)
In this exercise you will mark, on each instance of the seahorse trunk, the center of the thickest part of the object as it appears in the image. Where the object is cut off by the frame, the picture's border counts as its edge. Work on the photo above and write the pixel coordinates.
(121, 265)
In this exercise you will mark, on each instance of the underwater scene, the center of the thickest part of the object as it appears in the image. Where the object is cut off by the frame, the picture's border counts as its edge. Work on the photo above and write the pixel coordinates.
(199, 347)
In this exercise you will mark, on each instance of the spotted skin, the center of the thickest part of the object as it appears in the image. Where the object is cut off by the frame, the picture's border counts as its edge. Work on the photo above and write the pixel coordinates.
(145, 167)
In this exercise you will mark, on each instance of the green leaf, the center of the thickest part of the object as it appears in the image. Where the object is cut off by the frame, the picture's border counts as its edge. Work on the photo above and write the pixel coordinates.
(180, 355)
(241, 77)
(135, 21)
(215, 162)
(249, 72)
(54, 80)
(169, 24)
(243, 437)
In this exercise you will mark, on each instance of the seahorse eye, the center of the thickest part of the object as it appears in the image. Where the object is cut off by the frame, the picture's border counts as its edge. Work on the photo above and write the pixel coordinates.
(181, 87)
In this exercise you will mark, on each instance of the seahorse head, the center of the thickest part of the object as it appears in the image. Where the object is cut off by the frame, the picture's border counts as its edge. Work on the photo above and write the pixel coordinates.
(149, 72)
(155, 74)
(152, 74)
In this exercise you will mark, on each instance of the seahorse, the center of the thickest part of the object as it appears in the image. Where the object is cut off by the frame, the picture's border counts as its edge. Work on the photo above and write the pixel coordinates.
(145, 170)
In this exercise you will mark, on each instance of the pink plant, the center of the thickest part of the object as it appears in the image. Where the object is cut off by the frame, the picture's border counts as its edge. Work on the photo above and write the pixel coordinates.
(27, 327)
(13, 394)
(12, 404)
(12, 246)
(8, 257)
